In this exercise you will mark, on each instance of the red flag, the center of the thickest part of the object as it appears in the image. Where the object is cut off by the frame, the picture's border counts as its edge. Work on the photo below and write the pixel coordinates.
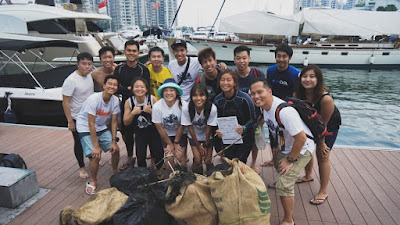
(103, 7)
(155, 6)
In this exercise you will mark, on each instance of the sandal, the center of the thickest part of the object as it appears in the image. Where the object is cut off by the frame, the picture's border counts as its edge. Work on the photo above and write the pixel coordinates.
(318, 201)
(88, 185)
(301, 180)
(126, 165)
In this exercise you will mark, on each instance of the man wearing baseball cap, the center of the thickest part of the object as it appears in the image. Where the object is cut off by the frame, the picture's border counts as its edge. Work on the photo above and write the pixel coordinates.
(185, 70)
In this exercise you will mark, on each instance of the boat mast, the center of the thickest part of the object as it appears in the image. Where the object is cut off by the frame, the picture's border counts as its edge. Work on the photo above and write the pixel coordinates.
(176, 14)
(220, 9)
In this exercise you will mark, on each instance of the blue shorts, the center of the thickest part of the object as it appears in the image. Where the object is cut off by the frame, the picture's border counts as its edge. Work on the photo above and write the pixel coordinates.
(104, 138)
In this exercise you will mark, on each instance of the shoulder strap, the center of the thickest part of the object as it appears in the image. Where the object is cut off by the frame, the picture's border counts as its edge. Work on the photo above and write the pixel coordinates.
(185, 72)
(319, 100)
(203, 80)
(278, 110)
(131, 101)
(120, 68)
(256, 72)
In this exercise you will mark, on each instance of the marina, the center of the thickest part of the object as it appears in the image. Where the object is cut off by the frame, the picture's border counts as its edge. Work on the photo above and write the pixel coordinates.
(364, 187)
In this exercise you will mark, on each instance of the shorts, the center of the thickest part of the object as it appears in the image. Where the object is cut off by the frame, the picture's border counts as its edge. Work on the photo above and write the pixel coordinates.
(285, 183)
(191, 142)
(182, 142)
(104, 138)
(330, 139)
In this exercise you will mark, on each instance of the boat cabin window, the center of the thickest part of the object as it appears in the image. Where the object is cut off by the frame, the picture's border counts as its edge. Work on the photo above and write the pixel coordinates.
(92, 27)
(385, 53)
(351, 45)
(271, 50)
(305, 52)
(47, 27)
(68, 24)
(340, 45)
(324, 53)
(345, 53)
(326, 45)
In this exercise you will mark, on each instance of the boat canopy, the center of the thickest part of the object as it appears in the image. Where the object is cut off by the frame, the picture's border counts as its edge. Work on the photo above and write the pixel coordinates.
(20, 45)
(325, 21)
(34, 12)
(260, 23)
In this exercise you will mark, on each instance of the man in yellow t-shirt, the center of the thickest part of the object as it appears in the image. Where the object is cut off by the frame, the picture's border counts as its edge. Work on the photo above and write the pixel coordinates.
(159, 74)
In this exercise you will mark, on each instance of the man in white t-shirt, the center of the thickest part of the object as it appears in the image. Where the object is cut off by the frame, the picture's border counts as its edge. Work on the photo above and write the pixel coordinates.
(296, 149)
(178, 68)
(77, 87)
(93, 131)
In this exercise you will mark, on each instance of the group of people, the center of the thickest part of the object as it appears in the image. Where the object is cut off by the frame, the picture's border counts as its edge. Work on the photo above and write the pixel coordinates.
(165, 108)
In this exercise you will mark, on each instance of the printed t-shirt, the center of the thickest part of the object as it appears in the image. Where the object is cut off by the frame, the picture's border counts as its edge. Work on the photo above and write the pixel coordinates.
(191, 76)
(282, 82)
(96, 106)
(199, 122)
(169, 117)
(79, 88)
(292, 123)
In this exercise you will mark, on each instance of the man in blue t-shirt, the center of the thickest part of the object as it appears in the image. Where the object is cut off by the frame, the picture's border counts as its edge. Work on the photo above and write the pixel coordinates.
(282, 77)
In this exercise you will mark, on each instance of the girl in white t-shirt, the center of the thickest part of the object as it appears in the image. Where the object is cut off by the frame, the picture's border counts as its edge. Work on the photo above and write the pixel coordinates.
(137, 113)
(199, 115)
(166, 116)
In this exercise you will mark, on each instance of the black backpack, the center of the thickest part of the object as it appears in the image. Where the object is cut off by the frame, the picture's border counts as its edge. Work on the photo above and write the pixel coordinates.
(308, 114)
(12, 160)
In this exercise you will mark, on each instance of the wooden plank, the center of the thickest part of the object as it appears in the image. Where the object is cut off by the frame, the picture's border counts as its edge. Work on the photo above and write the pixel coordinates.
(356, 186)
(376, 190)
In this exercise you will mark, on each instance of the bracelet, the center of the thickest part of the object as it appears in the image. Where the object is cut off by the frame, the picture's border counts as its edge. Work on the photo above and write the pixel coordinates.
(176, 142)
(244, 128)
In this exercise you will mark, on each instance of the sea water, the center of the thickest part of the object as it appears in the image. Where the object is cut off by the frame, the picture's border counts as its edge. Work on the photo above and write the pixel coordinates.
(369, 103)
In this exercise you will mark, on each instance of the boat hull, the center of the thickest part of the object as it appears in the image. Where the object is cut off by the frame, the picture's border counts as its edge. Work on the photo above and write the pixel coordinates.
(332, 56)
(35, 106)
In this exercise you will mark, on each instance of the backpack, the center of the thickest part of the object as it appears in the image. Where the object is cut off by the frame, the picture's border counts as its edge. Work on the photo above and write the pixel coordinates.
(308, 114)
(12, 160)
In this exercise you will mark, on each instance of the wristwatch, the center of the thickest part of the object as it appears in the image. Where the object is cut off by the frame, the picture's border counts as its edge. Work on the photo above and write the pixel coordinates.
(289, 159)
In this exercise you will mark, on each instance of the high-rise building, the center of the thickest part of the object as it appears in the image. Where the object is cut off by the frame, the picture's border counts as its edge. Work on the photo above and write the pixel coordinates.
(127, 13)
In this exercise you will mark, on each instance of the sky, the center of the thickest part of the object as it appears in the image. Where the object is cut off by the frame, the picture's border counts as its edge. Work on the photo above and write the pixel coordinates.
(203, 12)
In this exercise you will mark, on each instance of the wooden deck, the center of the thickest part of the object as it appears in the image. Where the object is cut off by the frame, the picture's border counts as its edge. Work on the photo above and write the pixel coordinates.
(364, 186)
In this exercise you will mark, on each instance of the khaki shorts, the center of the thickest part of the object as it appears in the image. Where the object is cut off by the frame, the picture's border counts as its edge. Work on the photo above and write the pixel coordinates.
(285, 183)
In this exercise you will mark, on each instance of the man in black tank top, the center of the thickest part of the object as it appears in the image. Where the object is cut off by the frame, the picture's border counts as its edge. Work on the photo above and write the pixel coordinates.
(125, 73)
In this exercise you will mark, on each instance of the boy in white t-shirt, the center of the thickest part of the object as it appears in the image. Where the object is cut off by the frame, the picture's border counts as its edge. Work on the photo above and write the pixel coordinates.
(92, 127)
(297, 149)
(178, 68)
(77, 87)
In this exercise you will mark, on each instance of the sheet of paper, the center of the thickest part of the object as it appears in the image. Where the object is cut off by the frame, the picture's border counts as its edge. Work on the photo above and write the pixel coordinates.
(228, 125)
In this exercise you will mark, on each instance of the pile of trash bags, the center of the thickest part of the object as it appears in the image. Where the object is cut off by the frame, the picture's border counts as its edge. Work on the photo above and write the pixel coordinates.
(232, 194)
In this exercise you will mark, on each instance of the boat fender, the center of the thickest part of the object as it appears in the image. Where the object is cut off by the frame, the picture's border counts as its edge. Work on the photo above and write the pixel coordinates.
(305, 63)
(371, 59)
(9, 115)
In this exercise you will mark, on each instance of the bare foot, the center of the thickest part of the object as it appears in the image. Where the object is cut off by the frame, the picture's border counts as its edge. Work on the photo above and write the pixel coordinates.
(82, 173)
(102, 162)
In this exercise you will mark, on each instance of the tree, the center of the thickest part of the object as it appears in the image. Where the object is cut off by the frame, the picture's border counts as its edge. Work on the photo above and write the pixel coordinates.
(381, 8)
(391, 7)
(388, 8)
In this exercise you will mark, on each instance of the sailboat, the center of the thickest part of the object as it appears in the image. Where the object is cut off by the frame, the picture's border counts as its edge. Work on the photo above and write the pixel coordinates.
(320, 36)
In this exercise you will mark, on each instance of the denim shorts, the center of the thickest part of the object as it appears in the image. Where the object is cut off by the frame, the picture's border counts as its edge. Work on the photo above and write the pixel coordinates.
(104, 138)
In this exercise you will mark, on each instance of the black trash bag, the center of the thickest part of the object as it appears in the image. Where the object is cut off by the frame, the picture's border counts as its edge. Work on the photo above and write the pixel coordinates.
(142, 208)
(184, 178)
(127, 180)
(223, 166)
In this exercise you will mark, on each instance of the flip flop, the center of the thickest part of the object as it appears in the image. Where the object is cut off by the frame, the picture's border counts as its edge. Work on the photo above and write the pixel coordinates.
(272, 185)
(299, 180)
(93, 192)
(267, 163)
(320, 201)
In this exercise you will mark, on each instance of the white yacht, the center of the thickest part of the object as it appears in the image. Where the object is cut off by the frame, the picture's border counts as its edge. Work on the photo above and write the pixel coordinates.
(34, 20)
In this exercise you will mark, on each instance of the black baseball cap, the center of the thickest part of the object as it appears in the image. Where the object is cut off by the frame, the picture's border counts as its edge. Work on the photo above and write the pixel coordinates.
(178, 42)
